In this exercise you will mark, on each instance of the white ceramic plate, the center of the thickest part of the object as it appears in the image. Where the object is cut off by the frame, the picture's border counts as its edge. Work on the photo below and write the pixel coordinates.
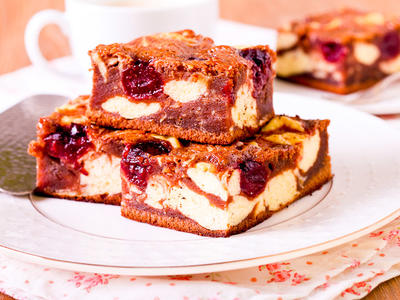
(388, 101)
(88, 237)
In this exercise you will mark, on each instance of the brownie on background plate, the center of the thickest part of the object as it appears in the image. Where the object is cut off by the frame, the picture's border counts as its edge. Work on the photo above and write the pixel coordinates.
(341, 51)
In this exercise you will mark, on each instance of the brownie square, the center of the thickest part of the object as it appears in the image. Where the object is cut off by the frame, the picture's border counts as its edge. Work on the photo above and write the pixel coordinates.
(218, 191)
(181, 84)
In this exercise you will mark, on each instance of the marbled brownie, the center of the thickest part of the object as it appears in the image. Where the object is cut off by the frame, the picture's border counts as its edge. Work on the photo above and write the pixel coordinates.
(218, 191)
(181, 84)
(342, 51)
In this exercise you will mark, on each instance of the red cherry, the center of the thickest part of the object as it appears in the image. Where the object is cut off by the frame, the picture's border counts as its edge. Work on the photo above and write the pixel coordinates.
(141, 81)
(253, 177)
(261, 67)
(333, 52)
(136, 163)
(69, 143)
(390, 45)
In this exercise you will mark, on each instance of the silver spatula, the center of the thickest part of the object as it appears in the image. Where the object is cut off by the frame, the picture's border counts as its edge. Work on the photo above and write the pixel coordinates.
(17, 129)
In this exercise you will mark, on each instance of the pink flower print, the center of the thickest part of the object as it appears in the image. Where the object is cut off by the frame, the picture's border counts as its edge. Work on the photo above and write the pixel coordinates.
(324, 286)
(375, 234)
(356, 263)
(280, 276)
(91, 280)
(297, 278)
(392, 234)
(77, 279)
(272, 267)
(357, 288)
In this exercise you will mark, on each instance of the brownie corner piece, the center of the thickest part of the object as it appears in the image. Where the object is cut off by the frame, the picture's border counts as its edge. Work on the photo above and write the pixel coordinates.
(75, 160)
(181, 84)
(340, 51)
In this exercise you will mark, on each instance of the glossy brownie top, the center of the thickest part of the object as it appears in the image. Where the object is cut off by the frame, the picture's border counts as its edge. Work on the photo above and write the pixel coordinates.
(275, 144)
(183, 51)
(344, 25)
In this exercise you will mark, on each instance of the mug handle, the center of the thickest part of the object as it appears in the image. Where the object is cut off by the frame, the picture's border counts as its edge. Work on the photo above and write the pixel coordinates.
(32, 32)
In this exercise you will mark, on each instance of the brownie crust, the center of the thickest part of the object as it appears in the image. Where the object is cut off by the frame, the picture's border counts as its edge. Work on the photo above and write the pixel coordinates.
(114, 199)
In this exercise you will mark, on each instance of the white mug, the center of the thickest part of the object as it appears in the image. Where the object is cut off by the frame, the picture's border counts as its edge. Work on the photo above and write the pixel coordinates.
(88, 23)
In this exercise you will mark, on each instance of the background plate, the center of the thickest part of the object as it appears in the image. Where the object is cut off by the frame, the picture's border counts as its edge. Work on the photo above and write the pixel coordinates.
(363, 197)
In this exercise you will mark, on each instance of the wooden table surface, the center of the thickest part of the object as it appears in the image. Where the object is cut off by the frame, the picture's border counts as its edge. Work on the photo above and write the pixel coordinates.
(14, 15)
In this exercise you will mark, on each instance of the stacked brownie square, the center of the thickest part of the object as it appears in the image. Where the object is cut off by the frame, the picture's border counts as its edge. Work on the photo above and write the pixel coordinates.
(183, 135)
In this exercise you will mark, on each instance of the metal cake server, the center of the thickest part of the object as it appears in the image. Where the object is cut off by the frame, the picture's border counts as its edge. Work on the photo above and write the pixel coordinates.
(17, 129)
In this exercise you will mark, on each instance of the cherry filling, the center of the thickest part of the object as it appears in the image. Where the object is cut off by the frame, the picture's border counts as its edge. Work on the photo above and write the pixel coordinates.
(69, 143)
(390, 45)
(261, 66)
(141, 81)
(136, 163)
(333, 51)
(253, 177)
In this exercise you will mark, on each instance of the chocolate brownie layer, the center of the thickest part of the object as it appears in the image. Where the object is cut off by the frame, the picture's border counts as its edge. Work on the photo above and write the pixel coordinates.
(181, 84)
(222, 190)
(342, 51)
